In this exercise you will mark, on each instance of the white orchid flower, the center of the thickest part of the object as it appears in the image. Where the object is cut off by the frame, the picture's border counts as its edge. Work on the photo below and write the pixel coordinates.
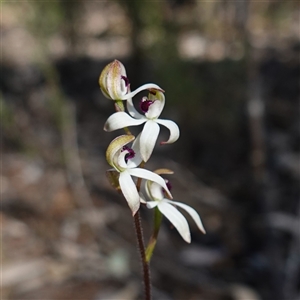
(126, 161)
(115, 85)
(152, 107)
(168, 208)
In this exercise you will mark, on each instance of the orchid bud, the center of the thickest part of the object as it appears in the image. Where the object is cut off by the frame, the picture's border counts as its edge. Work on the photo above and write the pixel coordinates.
(113, 81)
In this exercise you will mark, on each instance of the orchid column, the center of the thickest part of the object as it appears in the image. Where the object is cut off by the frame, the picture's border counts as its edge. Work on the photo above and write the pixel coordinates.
(128, 174)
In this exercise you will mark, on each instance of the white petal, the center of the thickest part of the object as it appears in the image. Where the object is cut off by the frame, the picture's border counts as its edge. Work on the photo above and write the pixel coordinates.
(146, 86)
(120, 161)
(176, 218)
(152, 204)
(154, 110)
(132, 111)
(192, 212)
(137, 159)
(146, 174)
(129, 191)
(120, 120)
(148, 139)
(158, 95)
(155, 190)
(174, 130)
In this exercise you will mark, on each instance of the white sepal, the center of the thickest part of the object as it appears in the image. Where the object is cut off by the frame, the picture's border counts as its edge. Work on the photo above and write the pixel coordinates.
(173, 128)
(129, 191)
(176, 218)
(148, 139)
(192, 212)
(120, 120)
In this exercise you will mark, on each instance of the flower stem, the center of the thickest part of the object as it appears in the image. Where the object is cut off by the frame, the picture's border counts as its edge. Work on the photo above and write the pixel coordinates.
(145, 264)
(153, 238)
(119, 105)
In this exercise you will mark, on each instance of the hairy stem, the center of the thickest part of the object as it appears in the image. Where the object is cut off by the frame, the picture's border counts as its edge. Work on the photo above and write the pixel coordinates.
(141, 245)
(145, 264)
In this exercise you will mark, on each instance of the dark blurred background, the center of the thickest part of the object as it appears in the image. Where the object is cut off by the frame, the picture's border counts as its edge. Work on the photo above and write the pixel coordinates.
(230, 70)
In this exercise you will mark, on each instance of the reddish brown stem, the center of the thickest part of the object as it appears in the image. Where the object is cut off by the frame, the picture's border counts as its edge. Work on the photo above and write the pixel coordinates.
(141, 246)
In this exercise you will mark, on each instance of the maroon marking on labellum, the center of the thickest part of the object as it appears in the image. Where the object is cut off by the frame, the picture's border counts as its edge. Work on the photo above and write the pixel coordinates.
(145, 104)
(129, 155)
(126, 80)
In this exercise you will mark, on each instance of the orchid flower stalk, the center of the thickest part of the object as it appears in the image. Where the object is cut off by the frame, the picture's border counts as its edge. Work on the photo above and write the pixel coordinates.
(140, 186)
